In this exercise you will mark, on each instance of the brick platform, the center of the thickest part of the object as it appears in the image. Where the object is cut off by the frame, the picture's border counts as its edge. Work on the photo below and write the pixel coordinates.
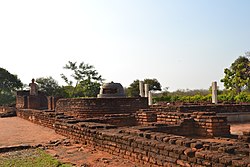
(98, 107)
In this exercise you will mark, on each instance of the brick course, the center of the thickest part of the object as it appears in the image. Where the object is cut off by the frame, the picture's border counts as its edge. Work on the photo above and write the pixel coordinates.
(41, 117)
(157, 141)
(196, 123)
(219, 108)
(7, 111)
(98, 107)
(149, 149)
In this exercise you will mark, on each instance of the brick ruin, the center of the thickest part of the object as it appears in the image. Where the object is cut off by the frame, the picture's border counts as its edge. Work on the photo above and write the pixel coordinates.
(7, 111)
(160, 135)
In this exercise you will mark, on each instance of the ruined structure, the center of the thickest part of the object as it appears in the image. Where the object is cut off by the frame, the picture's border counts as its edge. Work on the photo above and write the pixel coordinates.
(7, 112)
(112, 89)
(160, 135)
(27, 101)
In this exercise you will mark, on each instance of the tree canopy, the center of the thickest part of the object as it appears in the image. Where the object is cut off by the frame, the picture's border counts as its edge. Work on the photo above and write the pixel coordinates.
(133, 89)
(87, 80)
(237, 77)
(50, 86)
(9, 83)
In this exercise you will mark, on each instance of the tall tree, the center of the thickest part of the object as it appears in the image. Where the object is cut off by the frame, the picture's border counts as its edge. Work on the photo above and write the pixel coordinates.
(237, 77)
(133, 89)
(9, 83)
(50, 86)
(87, 80)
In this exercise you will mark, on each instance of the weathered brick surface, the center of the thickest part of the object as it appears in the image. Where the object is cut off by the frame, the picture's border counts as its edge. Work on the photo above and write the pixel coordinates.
(219, 108)
(100, 123)
(7, 111)
(41, 117)
(146, 148)
(52, 102)
(24, 100)
(98, 107)
(208, 124)
(245, 136)
(21, 102)
(197, 123)
(144, 116)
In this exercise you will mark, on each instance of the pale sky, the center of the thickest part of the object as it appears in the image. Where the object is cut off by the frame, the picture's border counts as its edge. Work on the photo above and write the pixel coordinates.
(182, 43)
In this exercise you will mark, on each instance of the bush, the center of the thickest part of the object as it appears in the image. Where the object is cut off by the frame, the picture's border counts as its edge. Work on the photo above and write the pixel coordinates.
(243, 97)
(229, 97)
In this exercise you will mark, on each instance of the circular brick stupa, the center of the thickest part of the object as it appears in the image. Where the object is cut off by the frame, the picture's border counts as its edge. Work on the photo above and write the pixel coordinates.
(111, 90)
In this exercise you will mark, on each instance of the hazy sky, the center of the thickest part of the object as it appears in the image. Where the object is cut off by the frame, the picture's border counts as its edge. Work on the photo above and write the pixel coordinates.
(182, 43)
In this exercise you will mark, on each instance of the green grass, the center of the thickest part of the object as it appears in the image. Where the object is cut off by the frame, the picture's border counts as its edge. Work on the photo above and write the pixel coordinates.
(29, 158)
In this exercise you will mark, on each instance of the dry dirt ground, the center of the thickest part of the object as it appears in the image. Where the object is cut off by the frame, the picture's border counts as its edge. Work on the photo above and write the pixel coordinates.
(16, 131)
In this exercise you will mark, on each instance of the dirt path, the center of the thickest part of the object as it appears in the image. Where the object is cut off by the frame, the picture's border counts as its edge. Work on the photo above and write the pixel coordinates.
(15, 131)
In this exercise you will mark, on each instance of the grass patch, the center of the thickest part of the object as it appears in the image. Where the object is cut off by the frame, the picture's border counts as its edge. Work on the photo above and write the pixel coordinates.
(29, 158)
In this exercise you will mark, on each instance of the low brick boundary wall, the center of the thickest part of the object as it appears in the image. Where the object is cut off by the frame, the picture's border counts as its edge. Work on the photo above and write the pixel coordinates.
(41, 117)
(219, 108)
(155, 149)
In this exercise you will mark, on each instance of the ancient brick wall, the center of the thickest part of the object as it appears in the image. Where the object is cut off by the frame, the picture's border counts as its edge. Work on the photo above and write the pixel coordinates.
(152, 148)
(172, 118)
(145, 116)
(7, 111)
(21, 102)
(33, 102)
(220, 108)
(245, 136)
(196, 123)
(24, 100)
(52, 102)
(98, 107)
(145, 144)
(41, 117)
(23, 93)
(208, 124)
(119, 119)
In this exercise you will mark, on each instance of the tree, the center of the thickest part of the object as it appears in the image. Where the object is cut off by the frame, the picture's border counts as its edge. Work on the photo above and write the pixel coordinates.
(9, 83)
(237, 77)
(87, 80)
(50, 86)
(133, 89)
